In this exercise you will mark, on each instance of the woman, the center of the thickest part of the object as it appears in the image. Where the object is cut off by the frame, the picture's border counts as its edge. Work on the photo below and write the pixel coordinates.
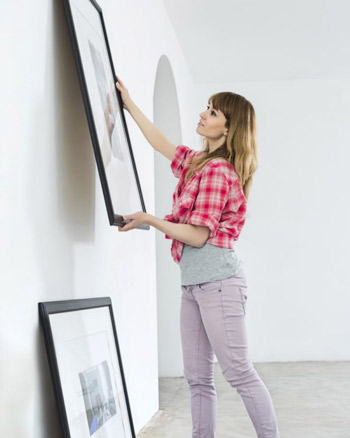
(209, 211)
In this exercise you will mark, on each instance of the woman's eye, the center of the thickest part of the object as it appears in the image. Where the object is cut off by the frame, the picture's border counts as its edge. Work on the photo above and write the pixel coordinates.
(212, 111)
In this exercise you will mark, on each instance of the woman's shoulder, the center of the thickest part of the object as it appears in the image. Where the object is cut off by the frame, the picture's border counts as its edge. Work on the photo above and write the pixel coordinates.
(223, 166)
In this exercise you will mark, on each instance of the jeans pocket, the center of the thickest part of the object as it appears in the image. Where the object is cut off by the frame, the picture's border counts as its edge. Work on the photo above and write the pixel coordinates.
(210, 286)
(184, 289)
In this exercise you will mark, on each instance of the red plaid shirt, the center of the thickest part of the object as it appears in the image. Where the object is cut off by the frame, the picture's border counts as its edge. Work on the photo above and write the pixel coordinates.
(213, 197)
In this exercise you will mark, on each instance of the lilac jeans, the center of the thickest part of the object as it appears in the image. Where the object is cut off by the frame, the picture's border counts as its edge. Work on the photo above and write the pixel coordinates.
(212, 320)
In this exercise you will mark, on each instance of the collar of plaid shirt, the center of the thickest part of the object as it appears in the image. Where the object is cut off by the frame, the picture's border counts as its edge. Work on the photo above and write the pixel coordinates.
(213, 197)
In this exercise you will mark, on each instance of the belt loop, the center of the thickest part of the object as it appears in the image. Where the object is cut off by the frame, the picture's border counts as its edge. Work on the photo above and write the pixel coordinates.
(220, 285)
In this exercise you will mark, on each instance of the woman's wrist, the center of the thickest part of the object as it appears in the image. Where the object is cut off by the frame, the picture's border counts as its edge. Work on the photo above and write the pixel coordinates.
(130, 107)
(149, 219)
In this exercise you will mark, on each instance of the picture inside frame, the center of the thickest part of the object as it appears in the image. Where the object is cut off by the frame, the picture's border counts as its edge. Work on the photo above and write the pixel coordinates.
(86, 368)
(104, 109)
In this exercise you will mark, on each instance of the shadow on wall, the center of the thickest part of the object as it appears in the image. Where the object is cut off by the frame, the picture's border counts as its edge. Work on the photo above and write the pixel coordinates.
(75, 163)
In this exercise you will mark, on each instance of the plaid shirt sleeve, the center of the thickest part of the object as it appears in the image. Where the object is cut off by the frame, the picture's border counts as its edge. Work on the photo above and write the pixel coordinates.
(211, 199)
(180, 159)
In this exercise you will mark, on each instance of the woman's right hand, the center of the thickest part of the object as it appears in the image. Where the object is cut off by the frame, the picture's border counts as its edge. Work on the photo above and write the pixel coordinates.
(124, 93)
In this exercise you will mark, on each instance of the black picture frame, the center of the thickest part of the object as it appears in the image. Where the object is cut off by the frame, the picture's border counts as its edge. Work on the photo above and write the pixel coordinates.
(86, 368)
(104, 110)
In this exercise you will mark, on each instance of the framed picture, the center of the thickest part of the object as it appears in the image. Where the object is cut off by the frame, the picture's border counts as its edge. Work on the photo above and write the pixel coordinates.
(86, 368)
(104, 111)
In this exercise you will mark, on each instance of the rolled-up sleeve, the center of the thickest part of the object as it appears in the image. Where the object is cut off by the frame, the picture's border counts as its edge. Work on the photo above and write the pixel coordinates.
(169, 218)
(182, 153)
(211, 199)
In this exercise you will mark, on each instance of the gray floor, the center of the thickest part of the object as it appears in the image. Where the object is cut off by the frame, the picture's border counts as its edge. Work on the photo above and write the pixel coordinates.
(311, 399)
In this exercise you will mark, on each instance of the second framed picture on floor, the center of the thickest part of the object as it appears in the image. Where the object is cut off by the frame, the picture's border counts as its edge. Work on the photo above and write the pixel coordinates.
(104, 109)
(86, 368)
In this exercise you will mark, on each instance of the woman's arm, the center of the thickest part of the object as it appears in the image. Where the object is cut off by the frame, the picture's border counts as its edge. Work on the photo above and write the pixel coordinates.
(153, 135)
(194, 235)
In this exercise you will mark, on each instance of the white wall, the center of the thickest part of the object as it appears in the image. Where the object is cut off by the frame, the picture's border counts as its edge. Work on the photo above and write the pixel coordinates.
(296, 239)
(56, 242)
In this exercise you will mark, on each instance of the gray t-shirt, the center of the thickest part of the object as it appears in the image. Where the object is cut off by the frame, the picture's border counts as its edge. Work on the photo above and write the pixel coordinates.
(207, 263)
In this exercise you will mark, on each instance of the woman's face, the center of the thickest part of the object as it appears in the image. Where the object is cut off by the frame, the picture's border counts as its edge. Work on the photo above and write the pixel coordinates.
(212, 123)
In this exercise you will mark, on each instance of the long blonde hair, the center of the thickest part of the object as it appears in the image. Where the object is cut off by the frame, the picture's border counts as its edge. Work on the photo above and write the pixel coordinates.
(240, 146)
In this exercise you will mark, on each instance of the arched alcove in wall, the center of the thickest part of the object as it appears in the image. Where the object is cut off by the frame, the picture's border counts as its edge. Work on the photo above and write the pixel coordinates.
(166, 117)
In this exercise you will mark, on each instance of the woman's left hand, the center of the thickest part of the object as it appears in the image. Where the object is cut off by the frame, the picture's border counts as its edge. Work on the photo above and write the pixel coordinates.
(137, 219)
